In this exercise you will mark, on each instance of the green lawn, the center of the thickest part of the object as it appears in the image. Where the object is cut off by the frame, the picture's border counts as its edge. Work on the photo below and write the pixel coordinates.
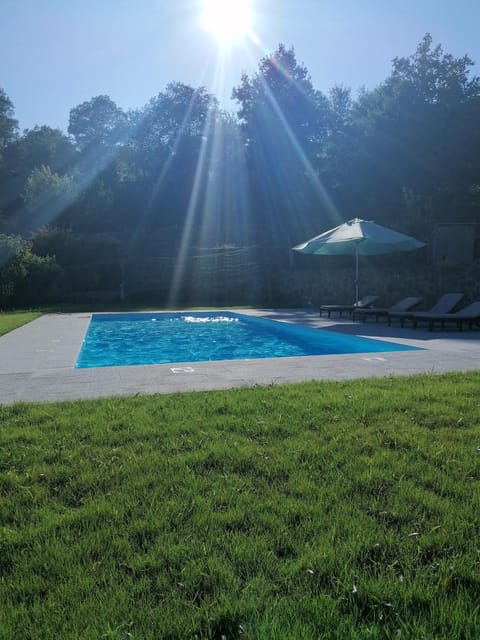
(12, 320)
(321, 510)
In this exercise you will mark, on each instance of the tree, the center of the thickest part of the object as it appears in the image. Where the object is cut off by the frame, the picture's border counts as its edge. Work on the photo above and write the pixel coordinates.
(8, 133)
(281, 96)
(41, 146)
(24, 276)
(435, 77)
(45, 183)
(418, 133)
(8, 124)
(283, 120)
(102, 132)
(175, 117)
(171, 144)
(47, 196)
(97, 123)
(338, 151)
(10, 245)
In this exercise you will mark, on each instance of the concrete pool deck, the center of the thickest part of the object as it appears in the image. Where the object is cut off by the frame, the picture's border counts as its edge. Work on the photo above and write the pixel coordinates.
(37, 360)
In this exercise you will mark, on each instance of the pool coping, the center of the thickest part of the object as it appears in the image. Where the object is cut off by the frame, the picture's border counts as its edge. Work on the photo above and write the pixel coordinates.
(37, 360)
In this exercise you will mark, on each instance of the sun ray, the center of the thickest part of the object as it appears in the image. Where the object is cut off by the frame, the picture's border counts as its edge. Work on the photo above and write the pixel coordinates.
(315, 181)
(149, 208)
(188, 225)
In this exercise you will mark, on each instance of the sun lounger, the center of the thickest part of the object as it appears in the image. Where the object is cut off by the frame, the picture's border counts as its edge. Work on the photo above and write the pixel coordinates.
(445, 304)
(347, 308)
(470, 315)
(378, 312)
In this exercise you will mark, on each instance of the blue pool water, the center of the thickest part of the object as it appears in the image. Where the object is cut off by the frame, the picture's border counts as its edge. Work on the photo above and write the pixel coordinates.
(121, 339)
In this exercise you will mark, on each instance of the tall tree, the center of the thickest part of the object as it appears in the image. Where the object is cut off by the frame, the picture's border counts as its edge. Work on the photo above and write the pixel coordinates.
(8, 133)
(47, 195)
(8, 124)
(435, 77)
(101, 131)
(283, 119)
(418, 133)
(41, 146)
(98, 122)
(180, 109)
(174, 133)
(337, 158)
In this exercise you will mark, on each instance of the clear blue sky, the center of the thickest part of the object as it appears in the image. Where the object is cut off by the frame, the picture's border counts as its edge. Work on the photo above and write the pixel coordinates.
(55, 54)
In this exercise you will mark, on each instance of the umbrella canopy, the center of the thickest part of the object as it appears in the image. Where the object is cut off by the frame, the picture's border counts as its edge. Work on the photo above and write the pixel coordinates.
(359, 238)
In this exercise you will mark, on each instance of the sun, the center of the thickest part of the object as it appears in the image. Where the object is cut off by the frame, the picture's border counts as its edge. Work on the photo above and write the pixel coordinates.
(227, 20)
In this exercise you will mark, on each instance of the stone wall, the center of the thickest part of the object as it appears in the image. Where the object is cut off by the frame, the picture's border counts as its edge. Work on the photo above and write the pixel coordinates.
(335, 285)
(229, 278)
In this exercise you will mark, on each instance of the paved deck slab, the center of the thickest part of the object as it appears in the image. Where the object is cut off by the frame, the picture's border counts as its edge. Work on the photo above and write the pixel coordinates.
(37, 361)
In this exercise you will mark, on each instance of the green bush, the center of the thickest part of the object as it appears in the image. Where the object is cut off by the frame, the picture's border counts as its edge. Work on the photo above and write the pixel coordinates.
(25, 278)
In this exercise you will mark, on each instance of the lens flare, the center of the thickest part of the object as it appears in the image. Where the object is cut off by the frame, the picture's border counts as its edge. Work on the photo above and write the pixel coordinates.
(227, 20)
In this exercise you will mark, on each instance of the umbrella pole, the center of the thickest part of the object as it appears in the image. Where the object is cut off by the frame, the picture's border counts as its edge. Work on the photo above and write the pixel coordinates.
(356, 274)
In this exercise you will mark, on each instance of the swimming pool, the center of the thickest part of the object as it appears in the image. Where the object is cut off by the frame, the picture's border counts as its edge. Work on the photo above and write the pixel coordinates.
(123, 339)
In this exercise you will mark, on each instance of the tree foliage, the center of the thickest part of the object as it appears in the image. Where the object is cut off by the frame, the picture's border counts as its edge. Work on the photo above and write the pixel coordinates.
(418, 131)
(178, 175)
(97, 122)
(8, 124)
(23, 158)
(434, 77)
(25, 277)
(284, 123)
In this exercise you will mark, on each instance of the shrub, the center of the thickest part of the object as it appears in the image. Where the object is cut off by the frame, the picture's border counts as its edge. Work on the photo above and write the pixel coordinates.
(25, 277)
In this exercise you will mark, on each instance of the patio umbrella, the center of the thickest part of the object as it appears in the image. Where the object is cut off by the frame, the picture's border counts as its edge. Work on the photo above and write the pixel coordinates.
(359, 238)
